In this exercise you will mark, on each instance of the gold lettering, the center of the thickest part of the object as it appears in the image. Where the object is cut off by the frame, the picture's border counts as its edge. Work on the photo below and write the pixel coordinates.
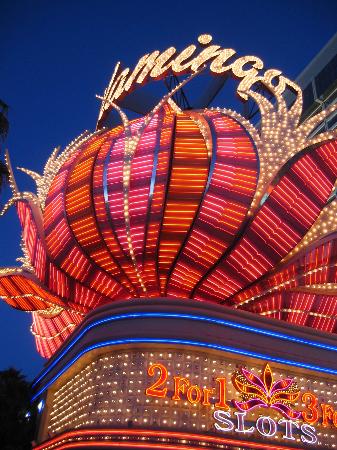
(284, 82)
(249, 76)
(155, 65)
(217, 65)
(205, 55)
(177, 65)
(109, 88)
(204, 39)
(118, 87)
(265, 79)
(107, 94)
(160, 69)
(238, 65)
(148, 64)
(140, 66)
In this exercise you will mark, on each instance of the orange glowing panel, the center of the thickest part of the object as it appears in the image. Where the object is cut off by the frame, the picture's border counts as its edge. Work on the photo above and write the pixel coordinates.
(103, 218)
(135, 438)
(158, 187)
(51, 331)
(159, 207)
(188, 178)
(315, 267)
(22, 291)
(287, 214)
(82, 220)
(32, 237)
(300, 308)
(232, 182)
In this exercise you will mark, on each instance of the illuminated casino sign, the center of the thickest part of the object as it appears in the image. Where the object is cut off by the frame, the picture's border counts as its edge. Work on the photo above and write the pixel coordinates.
(180, 267)
(176, 391)
(191, 60)
(256, 392)
(200, 204)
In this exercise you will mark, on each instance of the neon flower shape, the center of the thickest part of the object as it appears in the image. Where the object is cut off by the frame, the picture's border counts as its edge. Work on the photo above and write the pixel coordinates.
(190, 204)
(265, 392)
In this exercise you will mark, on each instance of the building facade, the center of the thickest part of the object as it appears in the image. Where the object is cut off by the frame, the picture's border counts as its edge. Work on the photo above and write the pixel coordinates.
(181, 269)
(174, 379)
(319, 84)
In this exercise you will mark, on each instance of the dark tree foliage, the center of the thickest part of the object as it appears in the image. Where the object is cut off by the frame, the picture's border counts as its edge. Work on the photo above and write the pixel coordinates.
(3, 174)
(4, 126)
(16, 420)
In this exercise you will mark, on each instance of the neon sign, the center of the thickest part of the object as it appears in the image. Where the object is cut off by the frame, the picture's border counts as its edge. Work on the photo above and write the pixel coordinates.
(266, 392)
(256, 392)
(264, 425)
(182, 387)
(192, 60)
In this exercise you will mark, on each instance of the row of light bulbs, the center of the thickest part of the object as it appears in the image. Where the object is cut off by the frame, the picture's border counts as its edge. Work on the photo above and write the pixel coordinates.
(87, 392)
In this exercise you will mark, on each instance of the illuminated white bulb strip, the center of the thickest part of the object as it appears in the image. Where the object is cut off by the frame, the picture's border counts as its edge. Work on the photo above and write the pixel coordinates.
(53, 165)
(204, 130)
(11, 179)
(51, 312)
(297, 311)
(19, 196)
(325, 224)
(14, 297)
(50, 338)
(25, 259)
(284, 284)
(10, 270)
(281, 137)
(95, 396)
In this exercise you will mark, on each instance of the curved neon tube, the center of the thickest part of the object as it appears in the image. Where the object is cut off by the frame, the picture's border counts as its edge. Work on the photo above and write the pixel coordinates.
(156, 433)
(195, 317)
(183, 342)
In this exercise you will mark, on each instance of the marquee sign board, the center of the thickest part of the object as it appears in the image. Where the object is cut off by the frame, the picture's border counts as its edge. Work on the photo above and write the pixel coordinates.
(199, 393)
(257, 392)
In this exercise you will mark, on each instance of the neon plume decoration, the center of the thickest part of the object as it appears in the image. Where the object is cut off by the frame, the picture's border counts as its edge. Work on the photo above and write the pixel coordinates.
(183, 204)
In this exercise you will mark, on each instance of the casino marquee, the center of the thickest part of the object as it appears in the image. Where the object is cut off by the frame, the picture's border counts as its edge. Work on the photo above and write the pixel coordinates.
(181, 267)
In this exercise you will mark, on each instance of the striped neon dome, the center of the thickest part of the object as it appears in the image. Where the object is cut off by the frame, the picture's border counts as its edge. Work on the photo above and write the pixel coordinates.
(168, 208)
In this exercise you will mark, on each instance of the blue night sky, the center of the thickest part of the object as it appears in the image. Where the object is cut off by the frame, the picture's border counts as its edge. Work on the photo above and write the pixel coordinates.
(56, 55)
